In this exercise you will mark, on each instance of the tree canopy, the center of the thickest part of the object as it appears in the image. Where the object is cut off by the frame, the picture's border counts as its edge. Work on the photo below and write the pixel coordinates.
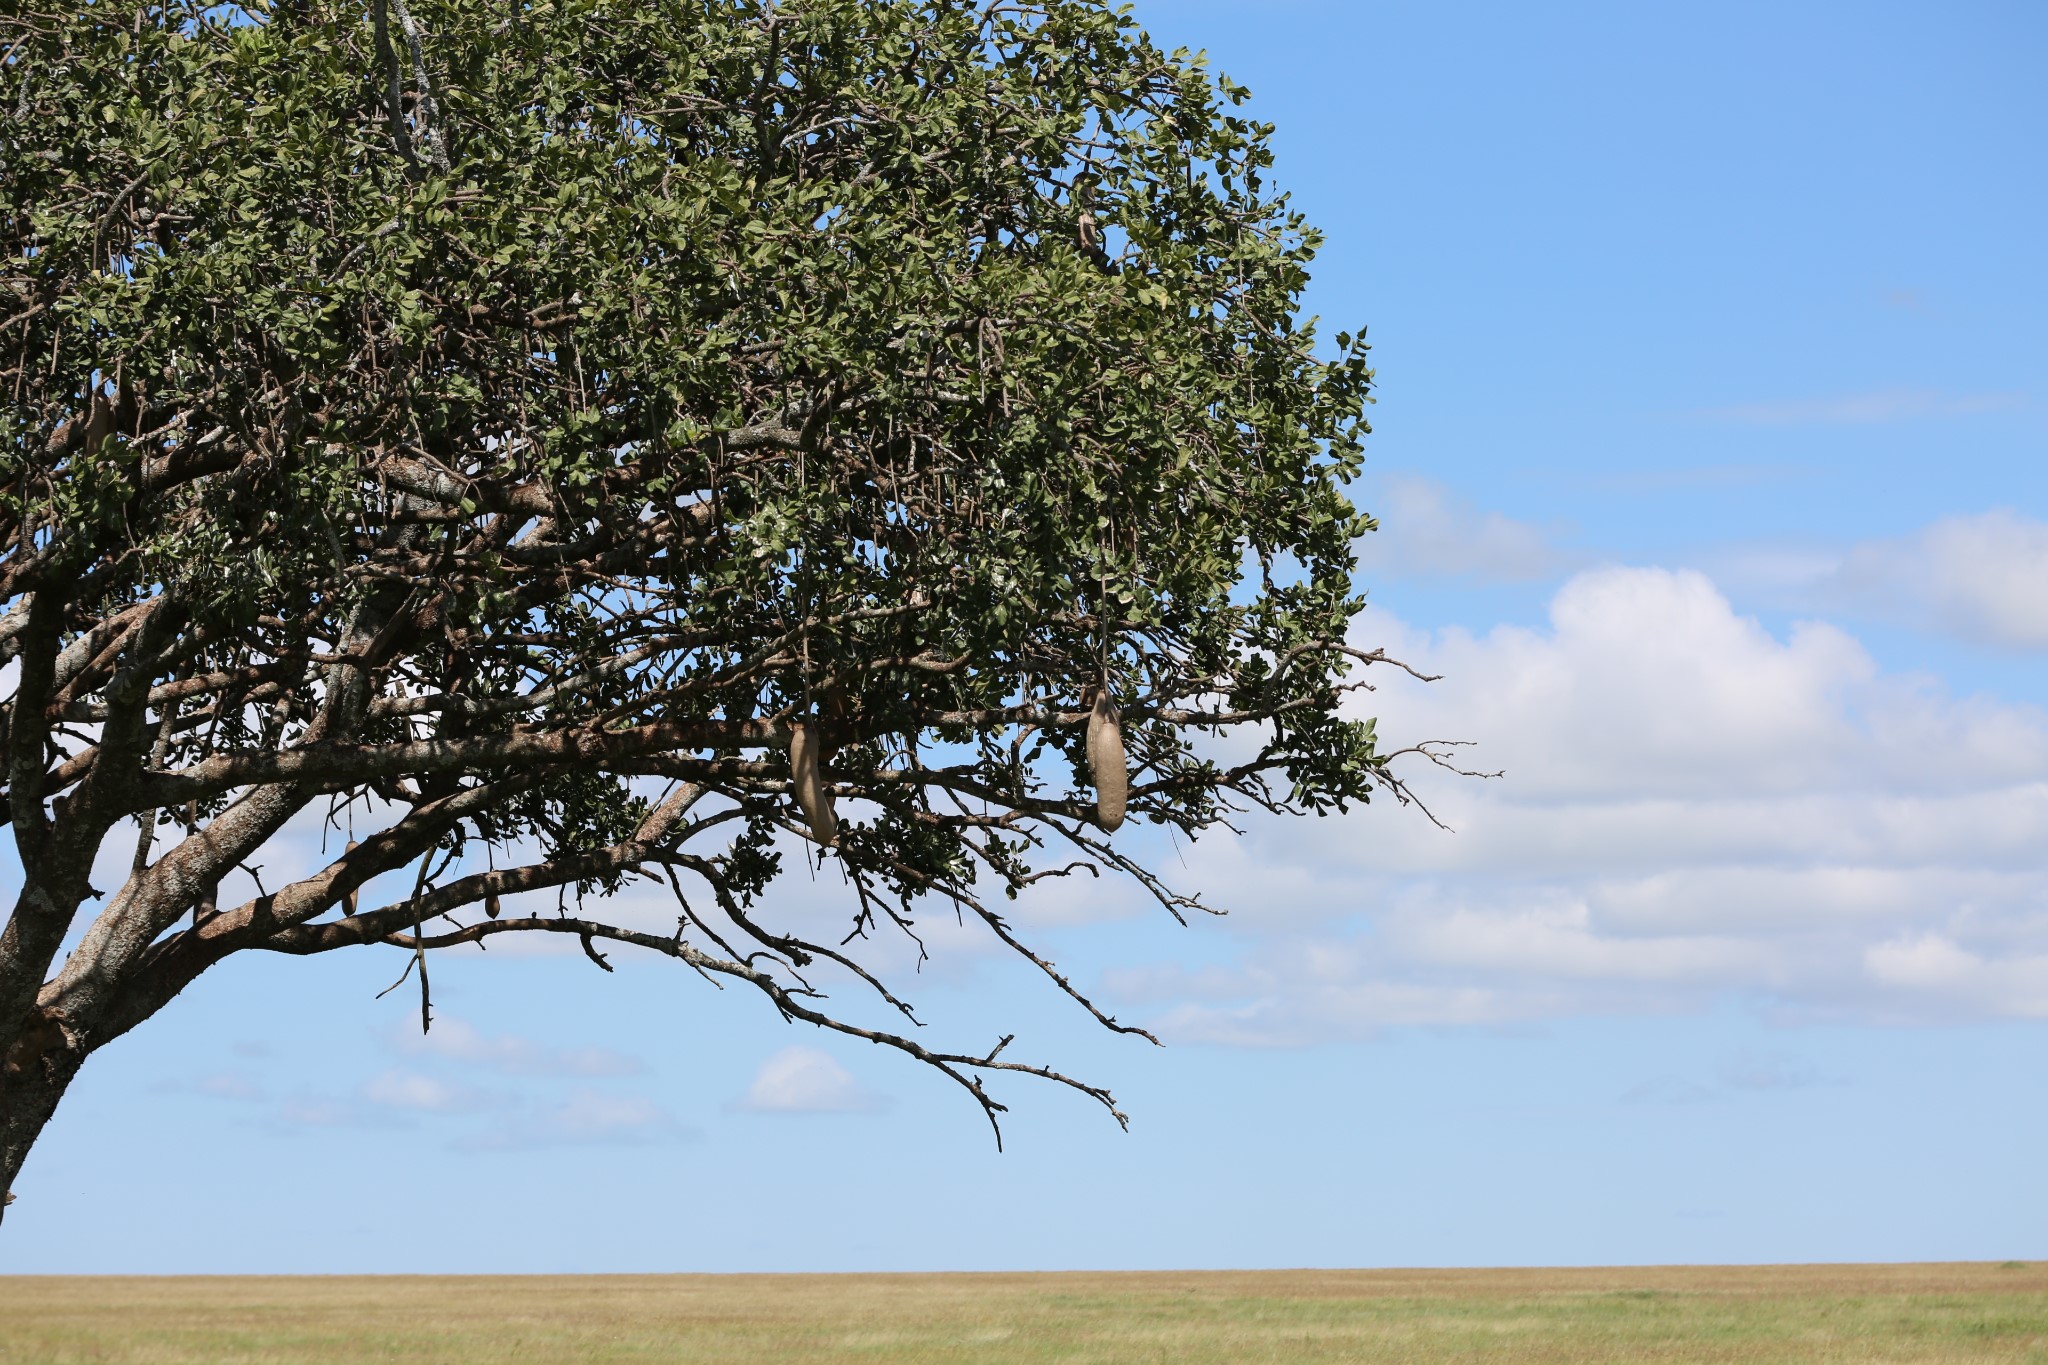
(547, 442)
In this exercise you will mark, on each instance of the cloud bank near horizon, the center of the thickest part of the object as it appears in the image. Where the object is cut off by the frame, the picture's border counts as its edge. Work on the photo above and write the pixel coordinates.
(1695, 810)
(1981, 578)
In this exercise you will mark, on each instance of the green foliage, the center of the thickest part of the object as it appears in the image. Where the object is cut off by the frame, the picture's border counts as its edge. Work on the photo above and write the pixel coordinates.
(498, 373)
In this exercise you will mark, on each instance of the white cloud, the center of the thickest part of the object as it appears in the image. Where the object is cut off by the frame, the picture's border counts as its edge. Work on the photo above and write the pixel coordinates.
(397, 1098)
(1560, 938)
(1694, 809)
(1645, 680)
(587, 1118)
(456, 1040)
(1427, 531)
(807, 1080)
(412, 1092)
(1982, 577)
(1932, 964)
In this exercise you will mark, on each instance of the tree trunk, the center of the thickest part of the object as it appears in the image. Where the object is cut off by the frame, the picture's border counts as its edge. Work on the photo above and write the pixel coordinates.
(37, 1071)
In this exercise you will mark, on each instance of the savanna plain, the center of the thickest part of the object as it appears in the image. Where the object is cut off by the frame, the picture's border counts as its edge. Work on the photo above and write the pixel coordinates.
(1922, 1313)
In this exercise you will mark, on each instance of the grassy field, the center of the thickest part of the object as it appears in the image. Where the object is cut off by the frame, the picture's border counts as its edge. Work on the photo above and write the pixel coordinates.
(1976, 1313)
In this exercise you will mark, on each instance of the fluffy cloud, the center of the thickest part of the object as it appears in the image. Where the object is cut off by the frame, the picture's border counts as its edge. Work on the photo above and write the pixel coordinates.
(411, 1092)
(1983, 577)
(391, 1098)
(455, 1040)
(587, 1118)
(1977, 577)
(806, 1080)
(1932, 963)
(1693, 809)
(583, 1118)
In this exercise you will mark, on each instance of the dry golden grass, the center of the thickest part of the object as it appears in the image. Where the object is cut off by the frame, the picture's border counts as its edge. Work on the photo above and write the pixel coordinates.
(1919, 1313)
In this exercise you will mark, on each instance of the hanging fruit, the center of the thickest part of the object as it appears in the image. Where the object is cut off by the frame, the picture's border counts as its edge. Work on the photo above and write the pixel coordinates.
(1106, 763)
(807, 776)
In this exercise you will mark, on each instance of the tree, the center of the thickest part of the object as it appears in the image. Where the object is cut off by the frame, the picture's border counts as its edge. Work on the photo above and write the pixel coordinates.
(554, 442)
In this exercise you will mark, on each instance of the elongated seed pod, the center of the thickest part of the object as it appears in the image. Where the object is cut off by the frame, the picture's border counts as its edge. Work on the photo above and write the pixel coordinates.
(807, 776)
(348, 902)
(99, 421)
(492, 905)
(1106, 762)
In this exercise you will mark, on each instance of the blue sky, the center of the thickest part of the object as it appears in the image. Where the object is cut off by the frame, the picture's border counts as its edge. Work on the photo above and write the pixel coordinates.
(1709, 455)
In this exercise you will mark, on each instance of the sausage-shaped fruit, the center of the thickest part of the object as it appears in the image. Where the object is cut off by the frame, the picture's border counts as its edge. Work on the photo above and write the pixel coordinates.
(807, 776)
(1106, 761)
(99, 421)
